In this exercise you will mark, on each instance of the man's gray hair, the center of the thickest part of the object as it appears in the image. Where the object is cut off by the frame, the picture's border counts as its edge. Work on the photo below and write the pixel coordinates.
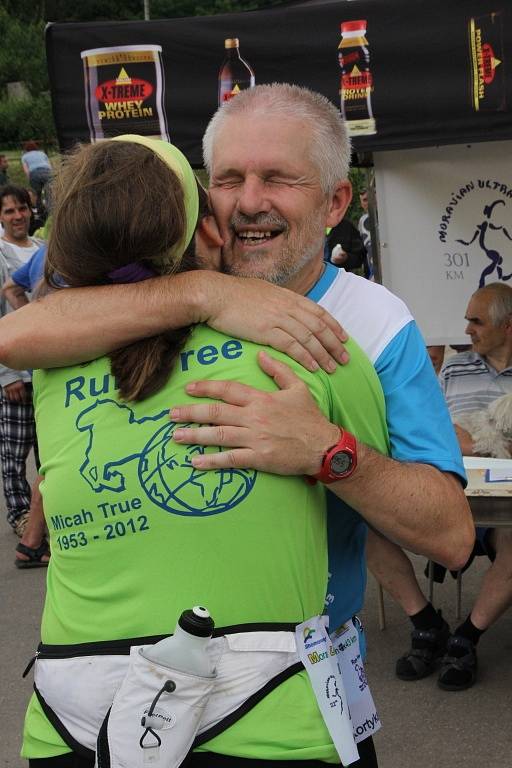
(500, 306)
(330, 145)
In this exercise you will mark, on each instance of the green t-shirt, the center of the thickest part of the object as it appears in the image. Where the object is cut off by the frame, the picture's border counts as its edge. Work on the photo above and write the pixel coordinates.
(137, 535)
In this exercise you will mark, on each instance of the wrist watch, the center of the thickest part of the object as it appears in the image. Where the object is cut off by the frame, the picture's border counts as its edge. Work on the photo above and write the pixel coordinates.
(340, 461)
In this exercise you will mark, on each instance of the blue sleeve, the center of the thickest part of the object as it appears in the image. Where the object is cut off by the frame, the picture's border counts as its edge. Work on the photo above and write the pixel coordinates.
(21, 276)
(419, 424)
(29, 275)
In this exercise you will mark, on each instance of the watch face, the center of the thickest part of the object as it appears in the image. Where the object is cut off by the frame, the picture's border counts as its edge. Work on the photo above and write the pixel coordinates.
(341, 462)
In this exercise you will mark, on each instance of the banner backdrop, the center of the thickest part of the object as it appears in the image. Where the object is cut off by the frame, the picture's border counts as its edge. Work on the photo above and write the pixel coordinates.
(445, 223)
(411, 72)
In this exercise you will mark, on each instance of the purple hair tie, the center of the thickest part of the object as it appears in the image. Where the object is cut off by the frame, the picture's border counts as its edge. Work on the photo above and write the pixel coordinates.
(131, 273)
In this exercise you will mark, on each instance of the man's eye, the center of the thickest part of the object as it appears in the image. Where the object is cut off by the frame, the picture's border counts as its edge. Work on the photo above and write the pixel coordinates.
(227, 183)
(276, 181)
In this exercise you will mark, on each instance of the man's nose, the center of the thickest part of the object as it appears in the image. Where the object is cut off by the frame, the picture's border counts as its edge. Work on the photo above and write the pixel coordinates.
(253, 197)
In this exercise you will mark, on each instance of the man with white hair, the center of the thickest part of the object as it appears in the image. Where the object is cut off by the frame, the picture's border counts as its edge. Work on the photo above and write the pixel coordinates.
(274, 184)
(278, 160)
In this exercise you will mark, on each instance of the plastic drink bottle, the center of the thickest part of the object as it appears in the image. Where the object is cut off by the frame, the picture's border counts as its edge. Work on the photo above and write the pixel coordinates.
(235, 73)
(356, 84)
(186, 650)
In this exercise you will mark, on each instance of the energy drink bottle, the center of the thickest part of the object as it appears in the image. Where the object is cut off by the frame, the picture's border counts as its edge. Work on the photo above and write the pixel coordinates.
(356, 86)
(186, 650)
(235, 73)
(488, 82)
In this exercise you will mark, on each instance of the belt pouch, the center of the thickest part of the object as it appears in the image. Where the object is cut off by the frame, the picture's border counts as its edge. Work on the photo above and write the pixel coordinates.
(154, 717)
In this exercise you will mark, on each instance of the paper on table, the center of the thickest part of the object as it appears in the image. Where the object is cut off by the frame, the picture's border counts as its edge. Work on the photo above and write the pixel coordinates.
(496, 470)
(498, 476)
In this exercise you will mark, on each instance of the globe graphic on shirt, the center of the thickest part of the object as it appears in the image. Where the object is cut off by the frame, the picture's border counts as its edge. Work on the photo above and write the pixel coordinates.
(168, 478)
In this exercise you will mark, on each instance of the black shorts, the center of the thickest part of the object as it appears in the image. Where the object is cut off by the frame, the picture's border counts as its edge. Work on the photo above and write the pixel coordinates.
(368, 759)
(483, 544)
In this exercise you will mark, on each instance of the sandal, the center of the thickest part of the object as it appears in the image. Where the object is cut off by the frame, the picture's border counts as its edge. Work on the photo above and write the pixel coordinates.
(458, 670)
(35, 556)
(427, 647)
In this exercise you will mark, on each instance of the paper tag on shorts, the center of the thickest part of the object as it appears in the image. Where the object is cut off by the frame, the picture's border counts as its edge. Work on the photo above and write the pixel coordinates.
(365, 720)
(320, 660)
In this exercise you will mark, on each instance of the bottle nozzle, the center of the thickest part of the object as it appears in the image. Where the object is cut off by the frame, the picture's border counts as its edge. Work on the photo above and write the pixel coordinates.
(197, 621)
(203, 613)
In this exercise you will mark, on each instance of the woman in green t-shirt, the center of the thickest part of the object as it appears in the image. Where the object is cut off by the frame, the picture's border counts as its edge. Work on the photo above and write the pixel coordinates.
(137, 534)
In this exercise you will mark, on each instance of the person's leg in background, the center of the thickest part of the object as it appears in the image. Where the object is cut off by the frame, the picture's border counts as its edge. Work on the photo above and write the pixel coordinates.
(33, 550)
(394, 571)
(459, 665)
(37, 180)
(17, 436)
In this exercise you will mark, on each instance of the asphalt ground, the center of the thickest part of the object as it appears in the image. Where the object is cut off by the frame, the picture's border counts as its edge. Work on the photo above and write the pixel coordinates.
(423, 727)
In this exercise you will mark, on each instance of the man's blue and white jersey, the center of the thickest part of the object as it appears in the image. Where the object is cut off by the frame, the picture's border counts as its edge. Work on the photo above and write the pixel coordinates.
(419, 425)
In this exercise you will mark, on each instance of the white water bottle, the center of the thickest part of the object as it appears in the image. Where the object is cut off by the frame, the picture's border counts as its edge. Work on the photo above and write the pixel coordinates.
(186, 650)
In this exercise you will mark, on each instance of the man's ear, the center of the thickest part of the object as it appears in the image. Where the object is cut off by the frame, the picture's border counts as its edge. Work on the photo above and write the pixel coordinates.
(208, 243)
(338, 203)
(210, 231)
(508, 326)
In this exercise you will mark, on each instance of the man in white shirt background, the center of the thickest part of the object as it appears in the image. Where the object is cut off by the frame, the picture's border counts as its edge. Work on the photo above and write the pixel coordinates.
(17, 430)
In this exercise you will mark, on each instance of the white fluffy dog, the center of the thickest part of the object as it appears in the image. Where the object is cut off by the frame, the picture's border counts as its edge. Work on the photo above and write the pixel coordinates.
(490, 428)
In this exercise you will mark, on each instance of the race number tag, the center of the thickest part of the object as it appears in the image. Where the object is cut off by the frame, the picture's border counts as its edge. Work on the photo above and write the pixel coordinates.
(320, 659)
(365, 720)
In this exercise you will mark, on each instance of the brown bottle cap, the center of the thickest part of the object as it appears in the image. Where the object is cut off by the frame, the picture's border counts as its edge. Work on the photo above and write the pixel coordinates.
(231, 42)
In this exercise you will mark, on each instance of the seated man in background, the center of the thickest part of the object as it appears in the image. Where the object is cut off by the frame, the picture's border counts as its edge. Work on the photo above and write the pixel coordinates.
(470, 382)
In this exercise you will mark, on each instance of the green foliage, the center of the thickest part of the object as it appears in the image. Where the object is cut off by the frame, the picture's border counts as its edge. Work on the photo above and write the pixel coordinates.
(22, 53)
(359, 180)
(118, 10)
(25, 119)
(94, 10)
(166, 9)
(26, 11)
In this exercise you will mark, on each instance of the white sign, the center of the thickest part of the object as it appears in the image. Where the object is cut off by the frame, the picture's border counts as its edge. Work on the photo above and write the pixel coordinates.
(445, 228)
